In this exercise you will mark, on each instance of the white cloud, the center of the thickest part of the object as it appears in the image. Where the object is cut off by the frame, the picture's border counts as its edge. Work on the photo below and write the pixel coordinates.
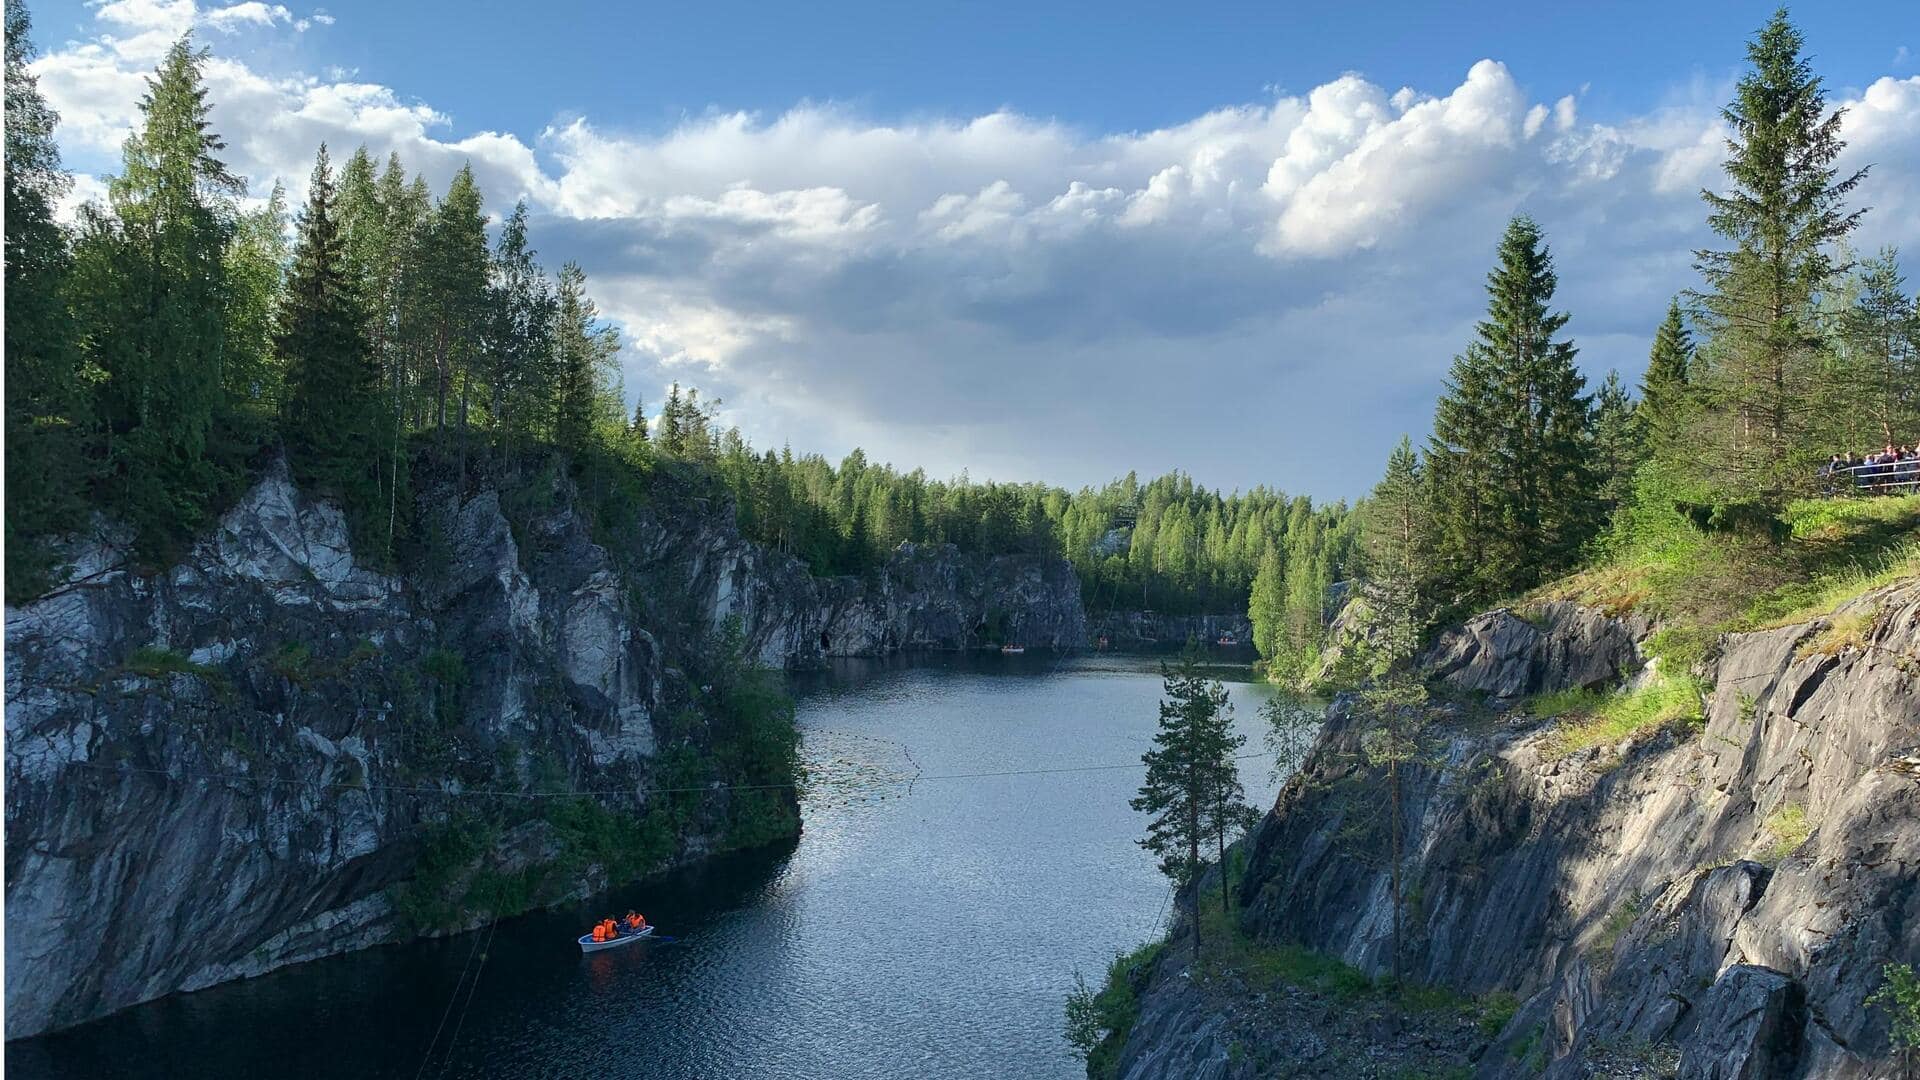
(1265, 292)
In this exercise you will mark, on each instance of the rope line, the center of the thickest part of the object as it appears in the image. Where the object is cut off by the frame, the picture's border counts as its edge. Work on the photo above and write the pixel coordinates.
(402, 789)
(448, 1011)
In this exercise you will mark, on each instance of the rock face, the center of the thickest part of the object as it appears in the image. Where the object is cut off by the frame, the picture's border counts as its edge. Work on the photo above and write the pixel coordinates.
(1718, 899)
(229, 766)
(1149, 631)
(1557, 646)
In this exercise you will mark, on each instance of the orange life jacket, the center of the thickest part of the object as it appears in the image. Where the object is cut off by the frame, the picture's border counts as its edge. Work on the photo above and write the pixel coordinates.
(599, 933)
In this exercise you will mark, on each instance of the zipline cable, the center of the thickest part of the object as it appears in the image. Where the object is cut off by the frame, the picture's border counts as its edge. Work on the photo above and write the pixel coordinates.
(510, 794)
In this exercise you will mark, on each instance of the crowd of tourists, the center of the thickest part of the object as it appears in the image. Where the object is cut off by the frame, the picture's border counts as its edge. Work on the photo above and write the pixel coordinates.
(1893, 469)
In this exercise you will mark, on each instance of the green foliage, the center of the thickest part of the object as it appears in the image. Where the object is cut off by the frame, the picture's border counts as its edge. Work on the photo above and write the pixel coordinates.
(1781, 217)
(1098, 1023)
(158, 662)
(1192, 782)
(1899, 995)
(1786, 828)
(333, 418)
(1510, 462)
(1587, 721)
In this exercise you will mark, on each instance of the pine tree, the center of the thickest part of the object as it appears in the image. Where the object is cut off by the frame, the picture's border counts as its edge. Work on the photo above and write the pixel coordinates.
(153, 291)
(1662, 414)
(584, 351)
(1398, 538)
(1511, 455)
(1618, 446)
(333, 414)
(1781, 215)
(46, 405)
(1192, 749)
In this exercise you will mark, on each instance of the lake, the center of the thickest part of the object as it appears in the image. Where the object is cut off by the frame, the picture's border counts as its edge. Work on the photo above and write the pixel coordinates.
(924, 927)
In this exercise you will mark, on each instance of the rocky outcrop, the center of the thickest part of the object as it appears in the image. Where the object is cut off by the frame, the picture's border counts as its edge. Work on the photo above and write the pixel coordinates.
(1717, 899)
(240, 762)
(1148, 631)
(1550, 646)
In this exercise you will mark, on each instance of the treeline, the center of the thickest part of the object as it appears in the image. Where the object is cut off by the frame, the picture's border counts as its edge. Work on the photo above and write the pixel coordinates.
(1167, 545)
(1788, 351)
(158, 346)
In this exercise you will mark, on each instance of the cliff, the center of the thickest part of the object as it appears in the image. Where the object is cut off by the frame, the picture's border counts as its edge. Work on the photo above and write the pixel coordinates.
(1703, 899)
(1148, 631)
(270, 751)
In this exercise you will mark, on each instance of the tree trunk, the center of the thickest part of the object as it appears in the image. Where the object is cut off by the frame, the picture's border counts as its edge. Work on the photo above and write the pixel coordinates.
(1393, 783)
(1225, 904)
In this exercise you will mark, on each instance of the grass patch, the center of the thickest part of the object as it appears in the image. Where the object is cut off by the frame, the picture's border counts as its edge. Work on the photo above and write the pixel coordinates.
(159, 662)
(1665, 699)
(1787, 828)
(1098, 1022)
(1572, 702)
(1842, 632)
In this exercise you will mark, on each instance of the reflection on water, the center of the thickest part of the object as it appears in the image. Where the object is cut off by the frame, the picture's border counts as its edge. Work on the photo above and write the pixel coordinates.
(928, 923)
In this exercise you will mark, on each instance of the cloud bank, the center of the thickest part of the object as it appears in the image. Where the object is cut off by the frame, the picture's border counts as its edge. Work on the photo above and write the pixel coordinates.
(1267, 293)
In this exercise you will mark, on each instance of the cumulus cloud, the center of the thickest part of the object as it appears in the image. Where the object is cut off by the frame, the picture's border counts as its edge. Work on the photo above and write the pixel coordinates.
(1267, 292)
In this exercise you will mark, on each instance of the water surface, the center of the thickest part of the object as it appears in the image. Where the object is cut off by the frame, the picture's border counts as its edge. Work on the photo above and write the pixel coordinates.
(928, 928)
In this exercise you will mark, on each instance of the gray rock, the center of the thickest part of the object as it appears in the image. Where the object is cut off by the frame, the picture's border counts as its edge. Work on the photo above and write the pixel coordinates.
(1750, 1028)
(1560, 646)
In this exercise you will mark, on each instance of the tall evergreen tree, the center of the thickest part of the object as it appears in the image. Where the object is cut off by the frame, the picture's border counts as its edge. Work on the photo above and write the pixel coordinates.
(46, 406)
(1617, 442)
(1782, 212)
(1511, 455)
(333, 409)
(1192, 749)
(1663, 409)
(637, 427)
(1882, 335)
(453, 276)
(520, 369)
(153, 291)
(1399, 538)
(584, 351)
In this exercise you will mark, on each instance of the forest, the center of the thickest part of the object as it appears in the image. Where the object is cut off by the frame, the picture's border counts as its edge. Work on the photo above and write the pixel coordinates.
(166, 342)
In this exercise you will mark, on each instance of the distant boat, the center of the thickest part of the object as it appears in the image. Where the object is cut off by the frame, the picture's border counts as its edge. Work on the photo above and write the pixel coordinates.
(624, 937)
(1227, 639)
(1012, 650)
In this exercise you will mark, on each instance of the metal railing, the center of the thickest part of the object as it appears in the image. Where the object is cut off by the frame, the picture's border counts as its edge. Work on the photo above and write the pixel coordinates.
(1883, 478)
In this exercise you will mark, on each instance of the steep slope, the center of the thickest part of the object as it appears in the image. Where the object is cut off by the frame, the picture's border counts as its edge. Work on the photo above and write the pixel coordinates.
(271, 752)
(1716, 898)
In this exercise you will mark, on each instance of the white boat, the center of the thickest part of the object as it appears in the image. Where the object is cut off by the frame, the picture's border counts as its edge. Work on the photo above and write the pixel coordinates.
(1012, 650)
(624, 937)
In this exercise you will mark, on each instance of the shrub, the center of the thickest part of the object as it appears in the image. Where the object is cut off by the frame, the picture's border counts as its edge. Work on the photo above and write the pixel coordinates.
(1842, 632)
(1899, 994)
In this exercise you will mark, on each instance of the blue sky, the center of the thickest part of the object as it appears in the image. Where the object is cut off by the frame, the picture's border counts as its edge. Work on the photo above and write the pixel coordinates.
(1239, 239)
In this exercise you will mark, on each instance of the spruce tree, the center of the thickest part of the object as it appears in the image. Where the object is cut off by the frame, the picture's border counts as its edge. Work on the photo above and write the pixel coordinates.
(153, 293)
(1663, 409)
(46, 404)
(1617, 442)
(1511, 454)
(637, 427)
(1781, 215)
(333, 412)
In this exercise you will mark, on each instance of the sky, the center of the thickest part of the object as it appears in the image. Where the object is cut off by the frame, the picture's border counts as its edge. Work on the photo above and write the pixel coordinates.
(1244, 241)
